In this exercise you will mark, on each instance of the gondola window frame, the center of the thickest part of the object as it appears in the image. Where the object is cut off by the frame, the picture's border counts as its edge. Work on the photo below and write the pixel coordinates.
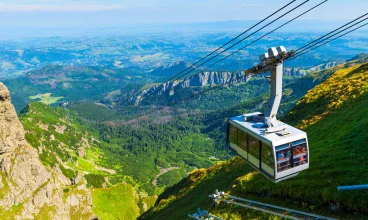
(242, 134)
(257, 144)
(231, 137)
(270, 158)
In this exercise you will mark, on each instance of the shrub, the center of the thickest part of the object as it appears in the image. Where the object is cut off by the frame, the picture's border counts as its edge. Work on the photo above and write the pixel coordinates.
(68, 172)
(95, 180)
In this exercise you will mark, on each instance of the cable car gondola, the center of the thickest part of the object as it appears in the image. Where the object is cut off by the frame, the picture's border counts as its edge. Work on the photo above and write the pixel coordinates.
(277, 150)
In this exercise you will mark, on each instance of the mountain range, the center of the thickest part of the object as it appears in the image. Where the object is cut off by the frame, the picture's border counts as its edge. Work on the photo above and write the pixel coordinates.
(168, 91)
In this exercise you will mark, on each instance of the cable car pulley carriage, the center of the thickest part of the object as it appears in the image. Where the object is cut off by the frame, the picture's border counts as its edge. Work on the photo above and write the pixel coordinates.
(277, 150)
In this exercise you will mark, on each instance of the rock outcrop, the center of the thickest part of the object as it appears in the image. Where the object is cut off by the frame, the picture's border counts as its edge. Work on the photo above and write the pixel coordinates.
(216, 78)
(198, 80)
(28, 188)
(11, 130)
(168, 89)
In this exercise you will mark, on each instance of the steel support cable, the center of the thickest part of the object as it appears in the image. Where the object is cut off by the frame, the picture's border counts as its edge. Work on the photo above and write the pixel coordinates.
(177, 76)
(288, 59)
(234, 53)
(200, 93)
(247, 38)
(197, 94)
(314, 44)
(239, 35)
(320, 45)
(330, 32)
(268, 24)
(263, 36)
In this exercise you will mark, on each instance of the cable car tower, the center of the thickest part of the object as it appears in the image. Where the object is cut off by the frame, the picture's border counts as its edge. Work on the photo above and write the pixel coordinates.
(277, 150)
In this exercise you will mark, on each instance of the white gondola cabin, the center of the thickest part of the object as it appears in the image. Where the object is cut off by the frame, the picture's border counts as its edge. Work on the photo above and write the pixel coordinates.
(277, 150)
(279, 155)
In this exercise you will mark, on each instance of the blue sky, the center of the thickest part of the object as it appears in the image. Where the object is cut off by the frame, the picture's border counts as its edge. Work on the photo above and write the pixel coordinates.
(174, 11)
(28, 17)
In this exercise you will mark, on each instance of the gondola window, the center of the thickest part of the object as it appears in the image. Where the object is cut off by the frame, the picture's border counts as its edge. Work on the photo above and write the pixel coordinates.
(283, 156)
(300, 155)
(254, 150)
(233, 134)
(268, 163)
(242, 140)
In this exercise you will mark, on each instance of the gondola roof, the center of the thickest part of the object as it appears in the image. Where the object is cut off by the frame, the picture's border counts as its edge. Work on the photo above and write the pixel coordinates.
(258, 130)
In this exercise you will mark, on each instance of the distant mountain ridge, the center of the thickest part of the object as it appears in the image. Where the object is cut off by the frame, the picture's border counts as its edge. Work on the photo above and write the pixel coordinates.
(198, 80)
(170, 88)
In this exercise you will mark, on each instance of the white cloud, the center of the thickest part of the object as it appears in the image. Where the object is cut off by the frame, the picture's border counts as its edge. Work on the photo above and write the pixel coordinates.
(59, 8)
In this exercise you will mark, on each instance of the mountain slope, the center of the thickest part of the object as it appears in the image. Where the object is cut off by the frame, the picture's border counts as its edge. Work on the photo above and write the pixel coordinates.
(334, 114)
(28, 188)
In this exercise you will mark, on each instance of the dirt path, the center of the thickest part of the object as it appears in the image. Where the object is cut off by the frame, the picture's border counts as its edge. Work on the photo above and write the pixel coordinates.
(162, 172)
(110, 171)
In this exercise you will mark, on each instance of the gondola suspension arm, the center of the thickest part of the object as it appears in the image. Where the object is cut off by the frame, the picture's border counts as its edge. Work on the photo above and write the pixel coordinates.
(272, 62)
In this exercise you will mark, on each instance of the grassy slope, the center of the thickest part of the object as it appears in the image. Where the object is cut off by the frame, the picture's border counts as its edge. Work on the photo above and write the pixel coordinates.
(59, 134)
(335, 116)
(59, 147)
(117, 202)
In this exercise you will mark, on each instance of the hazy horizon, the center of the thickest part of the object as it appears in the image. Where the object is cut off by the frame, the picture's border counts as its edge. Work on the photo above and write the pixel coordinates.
(231, 27)
(48, 18)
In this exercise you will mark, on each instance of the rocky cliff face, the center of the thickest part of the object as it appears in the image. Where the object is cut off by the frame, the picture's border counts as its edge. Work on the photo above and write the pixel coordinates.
(216, 78)
(197, 80)
(28, 189)
(12, 133)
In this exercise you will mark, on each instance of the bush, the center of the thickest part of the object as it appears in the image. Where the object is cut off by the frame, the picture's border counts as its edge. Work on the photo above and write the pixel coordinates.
(68, 172)
(95, 180)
